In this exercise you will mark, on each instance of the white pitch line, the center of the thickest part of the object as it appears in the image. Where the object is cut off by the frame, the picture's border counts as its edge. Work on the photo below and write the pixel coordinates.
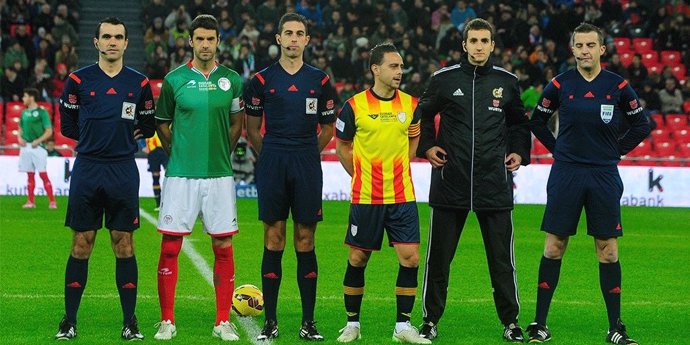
(206, 272)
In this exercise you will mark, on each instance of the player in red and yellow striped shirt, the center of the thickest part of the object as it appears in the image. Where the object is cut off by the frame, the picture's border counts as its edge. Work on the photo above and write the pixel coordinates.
(377, 135)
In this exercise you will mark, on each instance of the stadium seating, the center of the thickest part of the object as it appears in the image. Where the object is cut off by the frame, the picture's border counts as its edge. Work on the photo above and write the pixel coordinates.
(660, 134)
(670, 57)
(626, 58)
(659, 119)
(156, 85)
(48, 106)
(642, 45)
(664, 148)
(681, 136)
(650, 58)
(622, 44)
(679, 72)
(676, 121)
(654, 68)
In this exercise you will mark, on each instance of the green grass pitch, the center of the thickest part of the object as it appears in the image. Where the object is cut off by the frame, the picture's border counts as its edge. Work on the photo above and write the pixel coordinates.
(655, 254)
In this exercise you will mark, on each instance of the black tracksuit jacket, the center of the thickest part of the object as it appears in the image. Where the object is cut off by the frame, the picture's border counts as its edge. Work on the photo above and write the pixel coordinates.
(482, 120)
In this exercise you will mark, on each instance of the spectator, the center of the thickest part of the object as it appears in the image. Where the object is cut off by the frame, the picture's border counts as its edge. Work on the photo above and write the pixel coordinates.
(178, 57)
(341, 65)
(59, 80)
(461, 14)
(420, 15)
(12, 85)
(415, 86)
(268, 12)
(198, 7)
(157, 28)
(41, 80)
(268, 59)
(226, 29)
(179, 31)
(72, 17)
(44, 18)
(177, 15)
(396, 14)
(650, 97)
(616, 66)
(63, 31)
(219, 7)
(245, 64)
(243, 7)
(67, 55)
(249, 30)
(637, 72)
(156, 9)
(25, 40)
(50, 147)
(16, 53)
(335, 39)
(311, 9)
(530, 97)
(671, 97)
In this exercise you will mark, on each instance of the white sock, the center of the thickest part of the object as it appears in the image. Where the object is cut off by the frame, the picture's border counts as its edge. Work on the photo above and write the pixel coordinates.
(353, 323)
(400, 326)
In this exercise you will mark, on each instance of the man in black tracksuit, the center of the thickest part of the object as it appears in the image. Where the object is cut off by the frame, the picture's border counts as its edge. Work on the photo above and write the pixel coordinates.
(482, 138)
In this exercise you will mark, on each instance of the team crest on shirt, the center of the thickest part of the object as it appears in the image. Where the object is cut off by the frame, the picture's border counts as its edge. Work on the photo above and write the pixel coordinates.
(546, 102)
(402, 116)
(606, 112)
(633, 104)
(497, 93)
(311, 105)
(128, 110)
(72, 98)
(224, 84)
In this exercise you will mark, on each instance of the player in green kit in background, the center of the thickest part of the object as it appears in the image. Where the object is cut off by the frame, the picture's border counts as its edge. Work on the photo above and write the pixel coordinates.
(34, 129)
(199, 116)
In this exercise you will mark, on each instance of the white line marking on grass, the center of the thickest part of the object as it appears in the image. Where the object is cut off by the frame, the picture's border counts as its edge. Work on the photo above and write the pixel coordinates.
(206, 272)
(102, 296)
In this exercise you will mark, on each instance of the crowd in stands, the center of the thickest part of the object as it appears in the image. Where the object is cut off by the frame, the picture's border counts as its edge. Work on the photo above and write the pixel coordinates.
(648, 42)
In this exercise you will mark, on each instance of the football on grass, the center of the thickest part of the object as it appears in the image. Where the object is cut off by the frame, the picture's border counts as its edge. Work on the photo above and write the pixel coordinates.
(247, 300)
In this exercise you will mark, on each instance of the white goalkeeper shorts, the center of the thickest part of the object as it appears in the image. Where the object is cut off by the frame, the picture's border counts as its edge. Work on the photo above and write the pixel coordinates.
(32, 159)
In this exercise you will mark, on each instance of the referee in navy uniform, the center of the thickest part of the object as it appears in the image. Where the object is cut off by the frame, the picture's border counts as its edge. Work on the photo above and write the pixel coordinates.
(105, 107)
(592, 104)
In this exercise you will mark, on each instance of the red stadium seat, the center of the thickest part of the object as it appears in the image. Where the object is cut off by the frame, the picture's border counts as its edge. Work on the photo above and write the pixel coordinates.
(664, 148)
(156, 85)
(659, 119)
(13, 151)
(682, 135)
(622, 44)
(643, 149)
(642, 45)
(13, 109)
(626, 58)
(650, 58)
(686, 107)
(684, 150)
(11, 123)
(48, 106)
(654, 68)
(679, 72)
(670, 57)
(660, 135)
(11, 136)
(670, 161)
(329, 157)
(62, 142)
(676, 121)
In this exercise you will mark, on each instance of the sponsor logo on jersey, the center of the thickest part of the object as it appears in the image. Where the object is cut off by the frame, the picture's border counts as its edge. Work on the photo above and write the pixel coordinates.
(496, 109)
(633, 104)
(330, 104)
(256, 100)
(496, 103)
(148, 104)
(373, 116)
(606, 112)
(311, 105)
(546, 102)
(72, 98)
(497, 93)
(191, 84)
(224, 84)
(458, 92)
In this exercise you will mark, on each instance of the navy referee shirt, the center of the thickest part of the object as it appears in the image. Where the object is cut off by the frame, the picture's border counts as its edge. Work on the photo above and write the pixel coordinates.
(590, 115)
(102, 112)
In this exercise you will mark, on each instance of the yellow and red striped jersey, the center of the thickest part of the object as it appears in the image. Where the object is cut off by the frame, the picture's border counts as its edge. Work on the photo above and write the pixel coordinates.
(380, 130)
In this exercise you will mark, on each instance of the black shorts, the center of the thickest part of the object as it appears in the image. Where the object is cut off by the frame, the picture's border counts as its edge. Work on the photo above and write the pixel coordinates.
(367, 222)
(289, 181)
(572, 187)
(157, 159)
(98, 188)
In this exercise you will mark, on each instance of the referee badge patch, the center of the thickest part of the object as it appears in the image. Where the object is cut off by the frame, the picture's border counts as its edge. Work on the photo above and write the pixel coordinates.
(128, 110)
(311, 105)
(606, 112)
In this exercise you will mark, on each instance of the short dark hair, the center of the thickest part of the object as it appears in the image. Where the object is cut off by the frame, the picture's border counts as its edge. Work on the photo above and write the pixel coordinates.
(204, 21)
(109, 20)
(477, 24)
(293, 17)
(33, 92)
(585, 28)
(376, 54)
